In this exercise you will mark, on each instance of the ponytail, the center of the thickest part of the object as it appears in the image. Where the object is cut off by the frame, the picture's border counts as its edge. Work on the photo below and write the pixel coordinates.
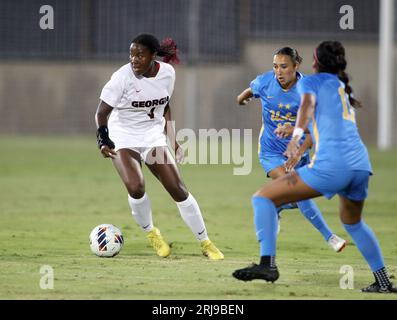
(330, 57)
(344, 77)
(167, 49)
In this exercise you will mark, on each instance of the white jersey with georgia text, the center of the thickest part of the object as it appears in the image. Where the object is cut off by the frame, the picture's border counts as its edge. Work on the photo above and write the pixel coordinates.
(138, 106)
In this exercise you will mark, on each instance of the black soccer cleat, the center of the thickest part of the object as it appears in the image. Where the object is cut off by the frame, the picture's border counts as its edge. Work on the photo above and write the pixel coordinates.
(255, 271)
(376, 288)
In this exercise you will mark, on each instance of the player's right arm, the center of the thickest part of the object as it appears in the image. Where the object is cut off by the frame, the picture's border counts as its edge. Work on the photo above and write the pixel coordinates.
(244, 97)
(294, 160)
(101, 118)
(305, 113)
(307, 88)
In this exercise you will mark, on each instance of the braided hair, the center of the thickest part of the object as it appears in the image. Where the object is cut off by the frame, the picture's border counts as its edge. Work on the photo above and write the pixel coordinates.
(166, 49)
(330, 57)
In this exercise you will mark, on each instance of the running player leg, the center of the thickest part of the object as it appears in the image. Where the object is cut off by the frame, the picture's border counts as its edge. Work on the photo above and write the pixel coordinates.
(128, 165)
(286, 189)
(367, 244)
(312, 214)
(274, 174)
(167, 173)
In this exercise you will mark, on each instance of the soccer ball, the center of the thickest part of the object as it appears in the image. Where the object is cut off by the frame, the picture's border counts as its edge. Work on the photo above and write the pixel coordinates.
(106, 240)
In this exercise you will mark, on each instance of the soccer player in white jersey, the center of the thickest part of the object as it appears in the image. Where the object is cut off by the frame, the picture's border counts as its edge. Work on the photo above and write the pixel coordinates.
(132, 120)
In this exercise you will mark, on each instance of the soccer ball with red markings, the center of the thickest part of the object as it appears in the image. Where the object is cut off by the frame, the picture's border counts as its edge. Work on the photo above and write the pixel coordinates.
(106, 240)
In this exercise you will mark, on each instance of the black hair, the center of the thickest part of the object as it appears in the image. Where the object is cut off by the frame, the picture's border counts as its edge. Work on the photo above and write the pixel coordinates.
(330, 57)
(292, 53)
(166, 49)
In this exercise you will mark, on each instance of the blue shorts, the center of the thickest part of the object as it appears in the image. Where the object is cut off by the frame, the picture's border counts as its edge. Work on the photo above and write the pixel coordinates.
(272, 162)
(351, 184)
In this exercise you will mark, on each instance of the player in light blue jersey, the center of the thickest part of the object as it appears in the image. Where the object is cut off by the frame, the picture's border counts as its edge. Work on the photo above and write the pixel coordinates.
(340, 166)
(280, 101)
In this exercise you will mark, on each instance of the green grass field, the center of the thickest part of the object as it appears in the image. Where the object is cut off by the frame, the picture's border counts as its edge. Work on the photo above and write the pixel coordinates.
(55, 190)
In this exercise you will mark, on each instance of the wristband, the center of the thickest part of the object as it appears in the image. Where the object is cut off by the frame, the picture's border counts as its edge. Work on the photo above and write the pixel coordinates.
(102, 135)
(298, 132)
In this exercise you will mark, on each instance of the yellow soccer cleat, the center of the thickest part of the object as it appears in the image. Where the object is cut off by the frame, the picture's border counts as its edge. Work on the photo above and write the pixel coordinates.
(158, 243)
(210, 251)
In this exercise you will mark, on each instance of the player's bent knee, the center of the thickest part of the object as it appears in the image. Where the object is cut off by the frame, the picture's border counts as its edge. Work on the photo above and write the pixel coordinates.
(276, 200)
(258, 193)
(262, 193)
(136, 190)
(350, 218)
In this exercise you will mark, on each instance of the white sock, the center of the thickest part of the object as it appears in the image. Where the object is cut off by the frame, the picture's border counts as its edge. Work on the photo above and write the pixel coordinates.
(142, 212)
(191, 214)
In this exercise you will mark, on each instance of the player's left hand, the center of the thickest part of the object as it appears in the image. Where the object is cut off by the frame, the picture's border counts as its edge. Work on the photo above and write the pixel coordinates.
(179, 154)
(108, 152)
(244, 102)
(284, 131)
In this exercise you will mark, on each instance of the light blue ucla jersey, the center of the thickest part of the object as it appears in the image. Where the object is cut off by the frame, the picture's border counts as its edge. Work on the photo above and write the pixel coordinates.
(279, 106)
(338, 145)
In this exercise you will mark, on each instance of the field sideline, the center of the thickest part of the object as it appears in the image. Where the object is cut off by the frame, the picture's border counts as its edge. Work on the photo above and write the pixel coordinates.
(55, 190)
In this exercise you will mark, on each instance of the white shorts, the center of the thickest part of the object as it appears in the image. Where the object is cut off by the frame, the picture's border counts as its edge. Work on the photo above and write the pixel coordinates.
(144, 152)
(142, 146)
(127, 141)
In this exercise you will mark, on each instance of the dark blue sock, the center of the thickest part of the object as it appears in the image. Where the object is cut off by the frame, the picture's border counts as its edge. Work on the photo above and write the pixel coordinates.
(266, 222)
(367, 244)
(313, 215)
